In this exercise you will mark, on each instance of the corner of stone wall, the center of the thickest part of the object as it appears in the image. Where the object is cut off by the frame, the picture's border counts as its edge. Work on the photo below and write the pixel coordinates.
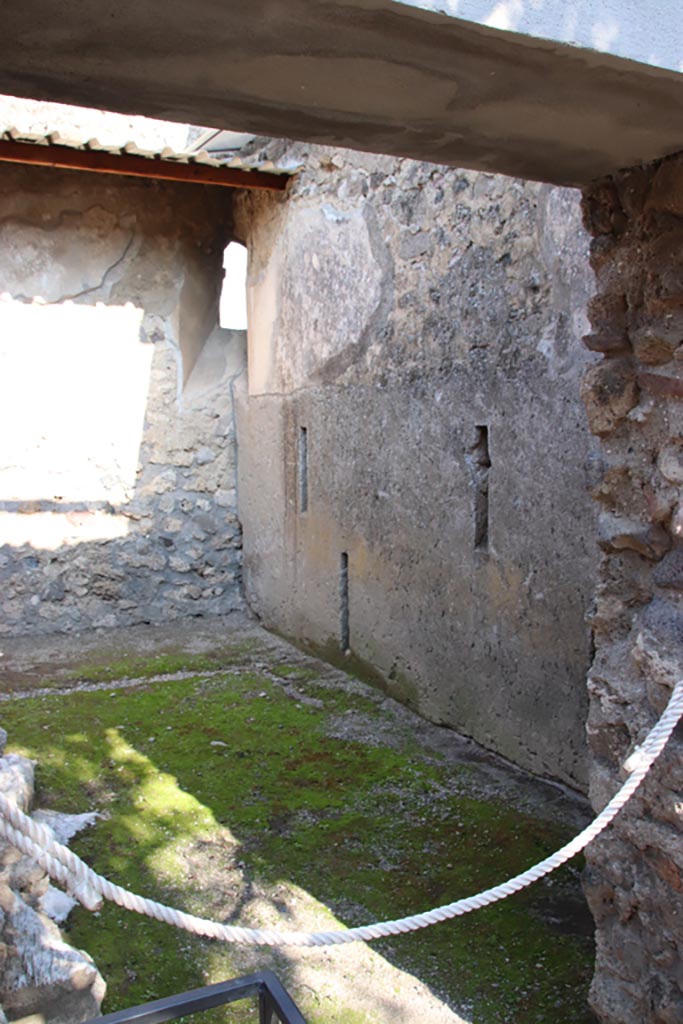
(634, 402)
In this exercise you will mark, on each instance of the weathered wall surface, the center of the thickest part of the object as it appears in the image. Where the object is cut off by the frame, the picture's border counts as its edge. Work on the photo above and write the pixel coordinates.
(117, 486)
(419, 323)
(634, 399)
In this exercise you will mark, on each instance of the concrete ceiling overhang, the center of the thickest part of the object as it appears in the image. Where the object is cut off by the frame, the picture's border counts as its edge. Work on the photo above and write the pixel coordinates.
(375, 75)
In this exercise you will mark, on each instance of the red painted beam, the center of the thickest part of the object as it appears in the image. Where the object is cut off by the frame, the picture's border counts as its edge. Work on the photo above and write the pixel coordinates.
(99, 162)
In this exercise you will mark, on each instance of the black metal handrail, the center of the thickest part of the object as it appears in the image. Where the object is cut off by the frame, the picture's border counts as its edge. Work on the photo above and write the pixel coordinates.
(275, 1003)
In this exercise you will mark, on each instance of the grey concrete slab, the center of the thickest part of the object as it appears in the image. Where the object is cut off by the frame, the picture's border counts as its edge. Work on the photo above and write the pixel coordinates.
(376, 75)
(649, 33)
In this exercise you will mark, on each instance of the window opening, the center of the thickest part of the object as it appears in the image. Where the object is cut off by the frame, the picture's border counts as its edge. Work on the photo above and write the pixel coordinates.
(233, 303)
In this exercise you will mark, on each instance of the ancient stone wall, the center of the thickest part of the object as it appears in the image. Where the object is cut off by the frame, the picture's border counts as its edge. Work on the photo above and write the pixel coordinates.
(412, 448)
(117, 472)
(634, 399)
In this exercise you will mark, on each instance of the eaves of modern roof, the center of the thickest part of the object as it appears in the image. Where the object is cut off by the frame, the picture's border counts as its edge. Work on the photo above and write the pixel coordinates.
(56, 150)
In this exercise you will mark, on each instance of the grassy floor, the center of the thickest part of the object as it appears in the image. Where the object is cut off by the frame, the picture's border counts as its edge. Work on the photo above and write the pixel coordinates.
(226, 794)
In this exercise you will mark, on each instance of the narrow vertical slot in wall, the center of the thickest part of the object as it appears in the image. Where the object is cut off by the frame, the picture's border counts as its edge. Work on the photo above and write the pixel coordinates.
(482, 470)
(303, 469)
(344, 636)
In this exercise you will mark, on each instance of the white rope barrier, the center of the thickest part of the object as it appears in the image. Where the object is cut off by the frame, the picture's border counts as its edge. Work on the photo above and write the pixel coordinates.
(88, 887)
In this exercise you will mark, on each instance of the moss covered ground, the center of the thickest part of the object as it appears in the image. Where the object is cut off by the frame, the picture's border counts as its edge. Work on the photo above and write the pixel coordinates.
(237, 792)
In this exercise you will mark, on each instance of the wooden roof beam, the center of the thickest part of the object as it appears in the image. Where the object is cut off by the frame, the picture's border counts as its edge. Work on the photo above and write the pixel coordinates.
(99, 162)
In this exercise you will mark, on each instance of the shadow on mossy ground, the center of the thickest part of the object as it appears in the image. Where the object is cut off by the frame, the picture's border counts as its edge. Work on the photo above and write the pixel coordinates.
(238, 794)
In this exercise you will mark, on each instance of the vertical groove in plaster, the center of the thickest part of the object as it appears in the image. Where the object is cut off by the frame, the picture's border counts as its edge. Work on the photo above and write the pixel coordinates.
(303, 469)
(482, 464)
(344, 635)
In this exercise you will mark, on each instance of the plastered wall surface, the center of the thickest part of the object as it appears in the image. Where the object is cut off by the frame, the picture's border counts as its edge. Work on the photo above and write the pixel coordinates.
(117, 488)
(419, 324)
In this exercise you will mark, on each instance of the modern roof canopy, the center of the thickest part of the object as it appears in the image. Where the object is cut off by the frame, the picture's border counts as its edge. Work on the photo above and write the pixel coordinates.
(197, 167)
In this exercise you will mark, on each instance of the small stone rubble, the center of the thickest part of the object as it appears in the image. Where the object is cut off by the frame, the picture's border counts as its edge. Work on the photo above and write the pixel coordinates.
(633, 397)
(40, 974)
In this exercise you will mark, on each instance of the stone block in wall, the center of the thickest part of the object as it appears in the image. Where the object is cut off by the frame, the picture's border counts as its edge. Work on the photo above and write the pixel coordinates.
(609, 391)
(607, 314)
(610, 615)
(662, 385)
(633, 187)
(665, 194)
(670, 462)
(656, 342)
(617, 533)
(602, 210)
(669, 573)
(658, 647)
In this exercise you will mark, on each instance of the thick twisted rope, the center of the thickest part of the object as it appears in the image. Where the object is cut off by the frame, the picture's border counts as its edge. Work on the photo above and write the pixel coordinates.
(86, 885)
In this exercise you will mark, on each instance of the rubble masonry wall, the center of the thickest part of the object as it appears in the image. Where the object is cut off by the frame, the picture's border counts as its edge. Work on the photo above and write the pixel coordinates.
(634, 400)
(117, 472)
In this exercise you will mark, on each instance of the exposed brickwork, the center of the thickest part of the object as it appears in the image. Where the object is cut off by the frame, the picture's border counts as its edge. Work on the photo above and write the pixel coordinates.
(634, 400)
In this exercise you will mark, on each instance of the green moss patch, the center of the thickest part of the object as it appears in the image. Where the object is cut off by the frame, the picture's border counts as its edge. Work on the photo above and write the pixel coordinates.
(169, 662)
(225, 795)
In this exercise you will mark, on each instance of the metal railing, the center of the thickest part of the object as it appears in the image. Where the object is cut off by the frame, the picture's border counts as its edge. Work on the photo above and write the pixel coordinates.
(275, 1004)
